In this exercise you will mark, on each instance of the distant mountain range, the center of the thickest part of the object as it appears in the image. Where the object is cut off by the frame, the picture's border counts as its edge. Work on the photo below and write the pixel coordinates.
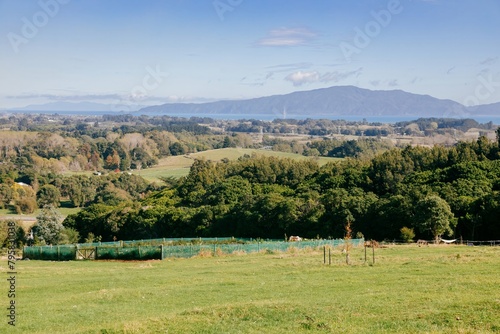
(333, 101)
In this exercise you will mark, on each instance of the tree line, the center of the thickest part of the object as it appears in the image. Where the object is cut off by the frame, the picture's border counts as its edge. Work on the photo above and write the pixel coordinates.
(414, 192)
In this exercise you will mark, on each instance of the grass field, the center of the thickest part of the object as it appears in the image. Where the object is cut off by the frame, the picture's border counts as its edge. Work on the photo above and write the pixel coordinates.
(436, 289)
(177, 166)
(27, 220)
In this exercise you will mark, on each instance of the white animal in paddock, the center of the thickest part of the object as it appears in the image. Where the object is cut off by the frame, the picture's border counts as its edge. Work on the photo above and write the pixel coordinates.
(295, 238)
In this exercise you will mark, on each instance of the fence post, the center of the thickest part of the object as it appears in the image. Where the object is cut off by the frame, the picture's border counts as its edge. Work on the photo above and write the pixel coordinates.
(329, 256)
(365, 252)
(58, 254)
(324, 254)
(161, 250)
(373, 252)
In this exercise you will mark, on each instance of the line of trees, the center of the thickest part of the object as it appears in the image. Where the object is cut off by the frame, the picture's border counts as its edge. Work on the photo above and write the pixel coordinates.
(103, 143)
(416, 191)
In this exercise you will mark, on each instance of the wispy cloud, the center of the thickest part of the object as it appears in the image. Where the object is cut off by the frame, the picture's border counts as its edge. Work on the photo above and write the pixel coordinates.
(393, 83)
(288, 37)
(110, 98)
(414, 80)
(57, 97)
(300, 78)
(489, 61)
(289, 67)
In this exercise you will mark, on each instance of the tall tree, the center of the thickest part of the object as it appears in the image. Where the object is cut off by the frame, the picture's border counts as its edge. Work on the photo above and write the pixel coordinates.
(48, 226)
(433, 215)
(48, 195)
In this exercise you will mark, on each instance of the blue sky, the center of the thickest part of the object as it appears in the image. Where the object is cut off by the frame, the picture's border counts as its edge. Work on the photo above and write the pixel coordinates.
(151, 51)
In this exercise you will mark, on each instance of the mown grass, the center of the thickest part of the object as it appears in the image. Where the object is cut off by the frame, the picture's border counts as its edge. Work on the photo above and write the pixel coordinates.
(27, 220)
(177, 166)
(448, 289)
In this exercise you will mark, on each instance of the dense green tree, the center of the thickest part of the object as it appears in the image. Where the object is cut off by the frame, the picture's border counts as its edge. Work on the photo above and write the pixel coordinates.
(178, 148)
(48, 195)
(433, 215)
(6, 193)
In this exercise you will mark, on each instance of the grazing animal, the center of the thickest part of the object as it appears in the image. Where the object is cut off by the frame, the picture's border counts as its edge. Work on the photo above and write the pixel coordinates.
(421, 243)
(372, 243)
(295, 238)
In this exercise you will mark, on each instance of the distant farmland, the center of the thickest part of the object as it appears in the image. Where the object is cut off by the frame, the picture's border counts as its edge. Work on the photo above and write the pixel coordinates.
(177, 166)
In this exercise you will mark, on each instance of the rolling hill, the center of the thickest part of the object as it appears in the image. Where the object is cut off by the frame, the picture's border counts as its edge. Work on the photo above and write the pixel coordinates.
(333, 101)
(177, 166)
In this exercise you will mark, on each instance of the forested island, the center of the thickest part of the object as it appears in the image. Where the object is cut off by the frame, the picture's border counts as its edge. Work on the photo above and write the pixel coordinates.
(427, 178)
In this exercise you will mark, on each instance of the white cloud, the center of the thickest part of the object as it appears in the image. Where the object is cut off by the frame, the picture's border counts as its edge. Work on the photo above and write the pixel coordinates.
(288, 37)
(300, 78)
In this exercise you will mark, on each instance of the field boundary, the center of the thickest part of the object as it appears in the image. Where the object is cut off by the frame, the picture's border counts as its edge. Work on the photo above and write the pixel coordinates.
(131, 251)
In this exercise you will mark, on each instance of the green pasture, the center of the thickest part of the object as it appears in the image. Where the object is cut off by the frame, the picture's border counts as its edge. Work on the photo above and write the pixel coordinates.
(27, 220)
(409, 289)
(177, 166)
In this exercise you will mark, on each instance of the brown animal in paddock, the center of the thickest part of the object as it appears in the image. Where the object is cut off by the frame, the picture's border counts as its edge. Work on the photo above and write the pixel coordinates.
(295, 238)
(372, 243)
(421, 243)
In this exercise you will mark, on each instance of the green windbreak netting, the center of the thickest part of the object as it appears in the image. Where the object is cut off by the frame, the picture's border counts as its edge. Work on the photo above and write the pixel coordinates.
(162, 248)
(129, 253)
(50, 253)
(278, 246)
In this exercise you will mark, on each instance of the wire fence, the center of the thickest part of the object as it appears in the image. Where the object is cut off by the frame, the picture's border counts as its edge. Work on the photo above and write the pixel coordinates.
(150, 249)
(163, 241)
(455, 242)
(189, 247)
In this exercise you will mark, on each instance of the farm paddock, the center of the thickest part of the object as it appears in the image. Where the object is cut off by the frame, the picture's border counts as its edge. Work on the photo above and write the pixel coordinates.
(435, 289)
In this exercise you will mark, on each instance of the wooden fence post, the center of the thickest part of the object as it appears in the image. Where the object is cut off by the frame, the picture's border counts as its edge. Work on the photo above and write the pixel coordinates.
(373, 252)
(365, 252)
